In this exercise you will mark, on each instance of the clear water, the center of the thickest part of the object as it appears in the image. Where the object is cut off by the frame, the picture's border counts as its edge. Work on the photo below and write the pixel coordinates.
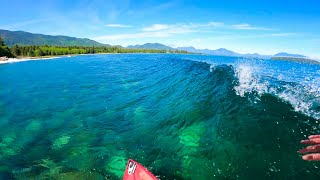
(181, 116)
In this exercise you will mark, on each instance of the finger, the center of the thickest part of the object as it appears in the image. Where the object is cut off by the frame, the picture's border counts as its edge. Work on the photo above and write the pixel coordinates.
(309, 149)
(311, 157)
(311, 141)
(314, 136)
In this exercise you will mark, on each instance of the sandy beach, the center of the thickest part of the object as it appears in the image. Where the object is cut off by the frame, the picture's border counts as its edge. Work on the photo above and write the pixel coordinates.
(14, 60)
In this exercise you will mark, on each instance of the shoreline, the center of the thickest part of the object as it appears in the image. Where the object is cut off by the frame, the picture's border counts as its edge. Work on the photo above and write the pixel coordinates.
(23, 59)
(5, 60)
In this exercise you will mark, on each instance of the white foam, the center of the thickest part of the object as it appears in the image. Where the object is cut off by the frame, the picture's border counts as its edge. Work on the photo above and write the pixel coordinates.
(294, 97)
(248, 81)
(303, 96)
(14, 60)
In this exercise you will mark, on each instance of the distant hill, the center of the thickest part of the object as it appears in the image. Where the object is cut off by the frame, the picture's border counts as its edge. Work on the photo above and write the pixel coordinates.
(25, 38)
(296, 59)
(284, 54)
(190, 49)
(157, 46)
(256, 55)
(226, 52)
(217, 52)
(222, 52)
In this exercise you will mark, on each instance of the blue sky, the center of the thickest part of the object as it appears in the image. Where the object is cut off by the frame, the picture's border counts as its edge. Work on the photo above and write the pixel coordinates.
(245, 26)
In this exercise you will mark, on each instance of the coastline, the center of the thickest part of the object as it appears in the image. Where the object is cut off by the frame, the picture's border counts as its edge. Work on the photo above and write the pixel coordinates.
(23, 59)
(14, 60)
(5, 60)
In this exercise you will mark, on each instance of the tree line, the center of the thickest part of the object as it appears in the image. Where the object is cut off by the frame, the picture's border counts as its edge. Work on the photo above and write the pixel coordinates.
(4, 50)
(38, 51)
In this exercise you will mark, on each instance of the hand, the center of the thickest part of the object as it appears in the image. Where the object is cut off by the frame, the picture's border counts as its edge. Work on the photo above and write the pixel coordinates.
(314, 141)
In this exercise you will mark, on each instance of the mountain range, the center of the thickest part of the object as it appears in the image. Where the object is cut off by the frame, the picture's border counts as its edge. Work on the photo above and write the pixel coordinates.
(217, 52)
(284, 54)
(151, 46)
(25, 38)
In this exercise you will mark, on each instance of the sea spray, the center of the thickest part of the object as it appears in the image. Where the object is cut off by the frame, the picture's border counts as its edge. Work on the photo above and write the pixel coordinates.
(248, 81)
(303, 98)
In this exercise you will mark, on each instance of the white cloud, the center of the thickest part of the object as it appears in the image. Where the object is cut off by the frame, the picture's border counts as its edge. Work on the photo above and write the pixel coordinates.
(155, 30)
(248, 27)
(241, 26)
(118, 25)
(156, 27)
(150, 34)
(131, 36)
(283, 34)
(168, 30)
(194, 26)
(217, 24)
(233, 36)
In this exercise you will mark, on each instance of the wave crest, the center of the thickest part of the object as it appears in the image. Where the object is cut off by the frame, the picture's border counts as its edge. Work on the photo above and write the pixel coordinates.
(251, 81)
(247, 81)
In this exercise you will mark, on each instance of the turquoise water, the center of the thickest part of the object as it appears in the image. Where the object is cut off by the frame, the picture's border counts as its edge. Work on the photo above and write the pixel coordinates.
(181, 116)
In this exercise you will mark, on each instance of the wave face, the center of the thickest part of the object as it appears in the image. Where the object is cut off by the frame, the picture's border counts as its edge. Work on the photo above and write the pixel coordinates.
(182, 116)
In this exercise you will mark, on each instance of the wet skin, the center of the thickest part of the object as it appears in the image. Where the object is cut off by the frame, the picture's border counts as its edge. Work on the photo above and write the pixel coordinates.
(314, 148)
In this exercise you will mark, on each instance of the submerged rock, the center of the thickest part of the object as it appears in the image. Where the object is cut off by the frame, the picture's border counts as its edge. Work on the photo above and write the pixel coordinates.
(140, 114)
(81, 175)
(34, 125)
(8, 146)
(190, 139)
(60, 142)
(117, 164)
(191, 135)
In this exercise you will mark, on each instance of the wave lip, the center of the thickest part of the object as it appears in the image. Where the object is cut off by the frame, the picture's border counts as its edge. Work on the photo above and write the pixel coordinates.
(247, 81)
(303, 96)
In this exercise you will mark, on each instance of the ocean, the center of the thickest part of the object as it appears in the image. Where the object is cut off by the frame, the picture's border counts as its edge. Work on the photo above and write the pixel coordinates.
(181, 116)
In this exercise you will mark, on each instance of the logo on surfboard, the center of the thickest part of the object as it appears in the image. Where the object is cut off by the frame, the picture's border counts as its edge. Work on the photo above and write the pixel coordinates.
(131, 167)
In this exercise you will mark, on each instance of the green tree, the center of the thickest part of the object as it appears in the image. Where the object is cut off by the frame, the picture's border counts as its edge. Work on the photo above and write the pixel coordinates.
(1, 42)
(16, 50)
(4, 50)
(64, 50)
(30, 53)
(38, 52)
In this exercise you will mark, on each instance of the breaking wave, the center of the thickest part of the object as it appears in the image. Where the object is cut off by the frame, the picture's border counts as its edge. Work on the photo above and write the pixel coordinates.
(303, 96)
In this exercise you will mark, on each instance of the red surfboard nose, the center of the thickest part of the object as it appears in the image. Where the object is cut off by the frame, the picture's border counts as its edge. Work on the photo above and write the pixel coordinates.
(135, 171)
